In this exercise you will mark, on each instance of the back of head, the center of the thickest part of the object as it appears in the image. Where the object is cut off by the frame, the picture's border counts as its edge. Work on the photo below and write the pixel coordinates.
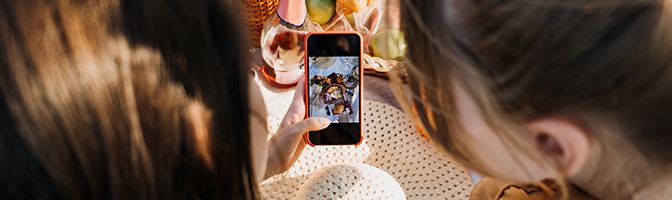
(600, 63)
(96, 100)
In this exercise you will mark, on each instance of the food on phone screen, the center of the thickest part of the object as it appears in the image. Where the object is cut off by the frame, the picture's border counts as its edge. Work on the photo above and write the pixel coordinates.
(334, 88)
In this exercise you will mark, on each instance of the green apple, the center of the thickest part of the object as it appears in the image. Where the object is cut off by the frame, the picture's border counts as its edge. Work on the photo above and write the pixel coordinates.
(388, 44)
(321, 11)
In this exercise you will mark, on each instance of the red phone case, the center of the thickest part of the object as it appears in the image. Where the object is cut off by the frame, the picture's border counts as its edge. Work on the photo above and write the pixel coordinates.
(306, 80)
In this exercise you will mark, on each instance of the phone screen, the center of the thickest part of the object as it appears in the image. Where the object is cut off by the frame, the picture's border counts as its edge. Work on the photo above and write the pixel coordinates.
(334, 87)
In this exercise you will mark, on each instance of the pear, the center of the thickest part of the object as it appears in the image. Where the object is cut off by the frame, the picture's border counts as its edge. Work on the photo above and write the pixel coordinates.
(321, 11)
(388, 44)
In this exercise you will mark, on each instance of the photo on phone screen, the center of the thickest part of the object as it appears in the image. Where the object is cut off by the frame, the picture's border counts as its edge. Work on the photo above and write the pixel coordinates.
(334, 87)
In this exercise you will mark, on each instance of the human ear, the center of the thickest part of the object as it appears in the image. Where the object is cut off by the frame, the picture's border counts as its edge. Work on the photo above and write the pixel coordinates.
(562, 140)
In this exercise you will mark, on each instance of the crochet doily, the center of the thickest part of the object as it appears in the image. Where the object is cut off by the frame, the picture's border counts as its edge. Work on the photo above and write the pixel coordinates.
(391, 144)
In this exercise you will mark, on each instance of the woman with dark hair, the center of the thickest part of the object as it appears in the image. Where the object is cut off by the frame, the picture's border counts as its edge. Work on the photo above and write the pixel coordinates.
(525, 90)
(133, 99)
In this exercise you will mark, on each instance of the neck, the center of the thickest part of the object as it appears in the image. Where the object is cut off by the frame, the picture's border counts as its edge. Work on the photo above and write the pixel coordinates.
(614, 176)
(657, 190)
(625, 187)
(635, 181)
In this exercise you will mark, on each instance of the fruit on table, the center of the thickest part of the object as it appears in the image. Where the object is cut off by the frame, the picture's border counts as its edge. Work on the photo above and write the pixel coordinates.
(389, 44)
(347, 7)
(321, 11)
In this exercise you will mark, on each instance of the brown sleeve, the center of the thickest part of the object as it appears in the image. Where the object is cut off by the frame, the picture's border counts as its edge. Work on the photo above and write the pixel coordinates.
(491, 189)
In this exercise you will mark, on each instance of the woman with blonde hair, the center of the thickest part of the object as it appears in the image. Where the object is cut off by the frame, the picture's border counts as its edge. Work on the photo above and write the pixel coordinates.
(523, 90)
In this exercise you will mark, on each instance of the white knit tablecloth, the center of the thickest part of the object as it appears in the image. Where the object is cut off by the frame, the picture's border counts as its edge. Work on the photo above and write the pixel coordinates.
(390, 144)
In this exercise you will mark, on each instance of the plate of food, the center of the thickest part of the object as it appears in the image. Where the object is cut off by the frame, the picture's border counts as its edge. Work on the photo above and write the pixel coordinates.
(335, 95)
(336, 78)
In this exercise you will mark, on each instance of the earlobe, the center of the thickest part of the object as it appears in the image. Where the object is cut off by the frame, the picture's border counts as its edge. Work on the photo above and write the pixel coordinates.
(563, 141)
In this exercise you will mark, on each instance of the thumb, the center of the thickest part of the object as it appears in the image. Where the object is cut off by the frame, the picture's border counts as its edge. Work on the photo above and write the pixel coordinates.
(310, 124)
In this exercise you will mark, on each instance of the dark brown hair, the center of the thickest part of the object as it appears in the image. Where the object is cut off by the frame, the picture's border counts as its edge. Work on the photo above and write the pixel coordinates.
(593, 61)
(94, 99)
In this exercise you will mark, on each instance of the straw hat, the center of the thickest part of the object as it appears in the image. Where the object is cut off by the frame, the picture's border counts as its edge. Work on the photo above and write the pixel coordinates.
(350, 181)
(391, 144)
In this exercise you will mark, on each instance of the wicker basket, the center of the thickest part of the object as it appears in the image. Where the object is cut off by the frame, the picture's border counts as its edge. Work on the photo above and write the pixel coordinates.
(258, 11)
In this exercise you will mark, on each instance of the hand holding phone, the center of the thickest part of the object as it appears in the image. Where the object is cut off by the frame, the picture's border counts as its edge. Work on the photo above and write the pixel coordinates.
(286, 145)
(333, 85)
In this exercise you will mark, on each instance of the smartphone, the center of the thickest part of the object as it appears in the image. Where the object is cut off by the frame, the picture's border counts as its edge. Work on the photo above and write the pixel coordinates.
(334, 86)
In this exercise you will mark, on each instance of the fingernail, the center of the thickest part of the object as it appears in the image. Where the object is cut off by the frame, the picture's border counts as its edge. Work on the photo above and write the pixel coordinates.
(324, 121)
